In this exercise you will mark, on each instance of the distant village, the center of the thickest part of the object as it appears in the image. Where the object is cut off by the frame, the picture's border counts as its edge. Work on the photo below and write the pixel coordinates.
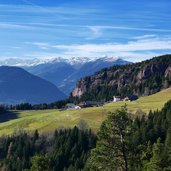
(86, 104)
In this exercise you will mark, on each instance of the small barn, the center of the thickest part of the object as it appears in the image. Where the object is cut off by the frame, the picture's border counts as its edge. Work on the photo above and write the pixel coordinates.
(72, 106)
(131, 98)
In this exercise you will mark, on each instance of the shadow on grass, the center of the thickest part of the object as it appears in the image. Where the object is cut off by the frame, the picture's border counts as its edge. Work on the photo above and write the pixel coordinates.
(7, 116)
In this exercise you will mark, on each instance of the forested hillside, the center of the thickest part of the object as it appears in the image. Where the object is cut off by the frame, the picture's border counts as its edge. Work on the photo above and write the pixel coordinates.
(125, 142)
(142, 78)
(140, 144)
(67, 149)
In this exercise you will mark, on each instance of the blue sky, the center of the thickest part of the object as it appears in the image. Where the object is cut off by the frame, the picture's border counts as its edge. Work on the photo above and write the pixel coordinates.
(132, 29)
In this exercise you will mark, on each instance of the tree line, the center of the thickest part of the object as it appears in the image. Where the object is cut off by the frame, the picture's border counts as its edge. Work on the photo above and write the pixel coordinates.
(27, 106)
(133, 144)
(125, 142)
(66, 149)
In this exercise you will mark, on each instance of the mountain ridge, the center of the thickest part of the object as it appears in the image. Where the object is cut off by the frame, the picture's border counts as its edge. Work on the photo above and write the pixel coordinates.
(143, 78)
(87, 69)
(20, 62)
(65, 74)
(19, 86)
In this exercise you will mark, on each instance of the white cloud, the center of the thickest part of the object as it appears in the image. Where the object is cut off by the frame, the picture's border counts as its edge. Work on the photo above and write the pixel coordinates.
(143, 48)
(145, 36)
(96, 32)
(148, 29)
(41, 45)
(139, 45)
(15, 26)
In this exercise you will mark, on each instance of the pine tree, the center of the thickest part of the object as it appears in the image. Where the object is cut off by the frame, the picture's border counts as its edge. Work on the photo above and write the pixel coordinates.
(39, 163)
(111, 152)
(155, 163)
(167, 151)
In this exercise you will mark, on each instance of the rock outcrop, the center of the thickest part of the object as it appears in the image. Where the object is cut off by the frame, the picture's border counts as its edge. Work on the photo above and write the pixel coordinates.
(142, 78)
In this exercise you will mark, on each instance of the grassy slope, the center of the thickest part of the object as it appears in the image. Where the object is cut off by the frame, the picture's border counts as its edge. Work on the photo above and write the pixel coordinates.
(49, 120)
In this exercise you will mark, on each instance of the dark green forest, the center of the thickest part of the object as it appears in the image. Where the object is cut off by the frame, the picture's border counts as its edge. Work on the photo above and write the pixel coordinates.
(125, 142)
(67, 149)
(139, 144)
(27, 106)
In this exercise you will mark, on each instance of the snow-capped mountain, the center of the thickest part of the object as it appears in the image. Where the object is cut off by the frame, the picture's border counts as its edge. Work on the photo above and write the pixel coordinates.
(64, 72)
(20, 62)
(37, 61)
(74, 61)
(88, 69)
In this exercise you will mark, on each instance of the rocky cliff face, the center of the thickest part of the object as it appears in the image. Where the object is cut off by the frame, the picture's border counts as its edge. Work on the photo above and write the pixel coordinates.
(140, 79)
(168, 72)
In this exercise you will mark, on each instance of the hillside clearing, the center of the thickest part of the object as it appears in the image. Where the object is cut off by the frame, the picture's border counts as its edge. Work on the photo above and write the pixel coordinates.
(49, 120)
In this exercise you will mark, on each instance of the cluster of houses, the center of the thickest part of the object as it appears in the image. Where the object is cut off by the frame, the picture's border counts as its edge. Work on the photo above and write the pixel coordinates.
(72, 106)
(127, 98)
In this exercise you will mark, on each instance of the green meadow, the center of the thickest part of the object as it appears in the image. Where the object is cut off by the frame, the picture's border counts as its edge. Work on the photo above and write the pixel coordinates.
(48, 120)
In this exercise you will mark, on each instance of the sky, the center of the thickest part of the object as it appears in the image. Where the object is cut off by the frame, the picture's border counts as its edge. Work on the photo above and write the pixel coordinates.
(134, 30)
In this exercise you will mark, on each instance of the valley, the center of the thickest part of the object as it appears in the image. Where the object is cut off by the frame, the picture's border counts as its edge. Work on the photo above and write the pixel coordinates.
(85, 85)
(48, 120)
(62, 72)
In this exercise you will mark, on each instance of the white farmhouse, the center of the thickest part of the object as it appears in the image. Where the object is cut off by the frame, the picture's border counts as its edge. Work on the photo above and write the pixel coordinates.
(116, 98)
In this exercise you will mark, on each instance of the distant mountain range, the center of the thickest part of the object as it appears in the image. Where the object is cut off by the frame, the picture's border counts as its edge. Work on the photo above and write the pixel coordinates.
(62, 72)
(75, 61)
(99, 79)
(87, 69)
(19, 86)
(65, 73)
(139, 79)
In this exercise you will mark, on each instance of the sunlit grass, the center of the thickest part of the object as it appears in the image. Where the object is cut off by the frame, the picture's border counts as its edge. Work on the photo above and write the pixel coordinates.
(49, 120)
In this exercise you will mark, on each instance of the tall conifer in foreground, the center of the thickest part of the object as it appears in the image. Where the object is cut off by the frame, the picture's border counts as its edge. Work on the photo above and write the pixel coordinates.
(112, 152)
